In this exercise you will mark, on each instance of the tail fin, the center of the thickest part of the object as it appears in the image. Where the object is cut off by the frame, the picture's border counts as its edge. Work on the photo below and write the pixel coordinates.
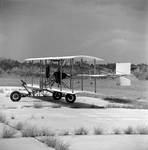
(123, 69)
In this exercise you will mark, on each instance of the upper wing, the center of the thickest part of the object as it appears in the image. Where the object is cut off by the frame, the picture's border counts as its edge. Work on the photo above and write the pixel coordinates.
(65, 57)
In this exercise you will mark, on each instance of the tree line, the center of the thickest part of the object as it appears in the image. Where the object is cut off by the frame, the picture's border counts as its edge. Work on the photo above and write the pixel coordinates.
(13, 67)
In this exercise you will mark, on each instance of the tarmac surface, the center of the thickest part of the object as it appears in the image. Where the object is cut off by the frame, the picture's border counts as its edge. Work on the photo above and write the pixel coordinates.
(85, 112)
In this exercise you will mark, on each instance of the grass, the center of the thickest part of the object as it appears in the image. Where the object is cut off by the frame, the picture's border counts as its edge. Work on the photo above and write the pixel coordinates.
(130, 105)
(56, 105)
(53, 142)
(11, 107)
(81, 131)
(34, 131)
(30, 131)
(117, 130)
(137, 90)
(64, 132)
(98, 130)
(37, 105)
(32, 116)
(129, 130)
(142, 129)
(19, 126)
(46, 132)
(8, 132)
(12, 117)
(3, 118)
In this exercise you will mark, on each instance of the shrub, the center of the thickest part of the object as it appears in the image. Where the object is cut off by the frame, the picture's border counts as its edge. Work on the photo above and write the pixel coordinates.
(129, 130)
(8, 132)
(117, 130)
(64, 132)
(98, 130)
(30, 131)
(55, 143)
(3, 118)
(142, 129)
(19, 126)
(46, 132)
(81, 131)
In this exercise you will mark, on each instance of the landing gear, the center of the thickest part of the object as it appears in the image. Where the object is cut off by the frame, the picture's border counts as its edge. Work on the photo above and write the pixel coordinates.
(70, 98)
(57, 95)
(15, 96)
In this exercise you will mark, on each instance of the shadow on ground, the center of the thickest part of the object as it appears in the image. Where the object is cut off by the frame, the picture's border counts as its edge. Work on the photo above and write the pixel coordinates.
(63, 103)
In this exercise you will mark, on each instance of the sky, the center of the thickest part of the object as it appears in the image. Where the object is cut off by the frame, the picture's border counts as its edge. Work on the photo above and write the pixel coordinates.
(114, 30)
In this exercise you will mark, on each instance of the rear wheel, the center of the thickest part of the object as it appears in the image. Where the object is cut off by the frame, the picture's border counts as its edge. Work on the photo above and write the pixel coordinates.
(15, 96)
(57, 95)
(70, 98)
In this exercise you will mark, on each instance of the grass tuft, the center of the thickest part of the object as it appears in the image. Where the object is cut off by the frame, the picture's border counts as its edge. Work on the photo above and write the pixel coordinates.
(142, 129)
(64, 132)
(11, 107)
(8, 132)
(117, 130)
(129, 130)
(3, 119)
(19, 126)
(30, 131)
(12, 117)
(56, 106)
(46, 132)
(37, 105)
(81, 131)
(98, 130)
(34, 131)
(53, 142)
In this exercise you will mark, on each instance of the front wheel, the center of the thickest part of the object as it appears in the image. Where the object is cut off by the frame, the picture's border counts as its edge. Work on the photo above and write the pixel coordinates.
(15, 96)
(70, 98)
(57, 95)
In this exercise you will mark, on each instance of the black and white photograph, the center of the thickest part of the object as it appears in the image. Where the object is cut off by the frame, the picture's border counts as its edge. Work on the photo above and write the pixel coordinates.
(74, 74)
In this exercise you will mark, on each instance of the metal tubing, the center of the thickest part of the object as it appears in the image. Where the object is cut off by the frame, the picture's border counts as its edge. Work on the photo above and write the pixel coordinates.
(45, 71)
(82, 74)
(72, 80)
(25, 71)
(70, 74)
(40, 74)
(32, 74)
(94, 74)
(61, 75)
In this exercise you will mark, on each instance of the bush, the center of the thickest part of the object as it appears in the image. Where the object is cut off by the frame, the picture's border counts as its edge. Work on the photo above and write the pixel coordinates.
(129, 130)
(55, 143)
(117, 130)
(3, 119)
(81, 131)
(142, 129)
(8, 133)
(98, 130)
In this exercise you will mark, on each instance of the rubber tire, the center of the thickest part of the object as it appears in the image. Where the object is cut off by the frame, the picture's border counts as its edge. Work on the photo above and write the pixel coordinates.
(15, 96)
(57, 95)
(70, 98)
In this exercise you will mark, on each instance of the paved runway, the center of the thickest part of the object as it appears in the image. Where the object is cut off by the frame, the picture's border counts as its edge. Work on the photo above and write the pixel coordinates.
(85, 112)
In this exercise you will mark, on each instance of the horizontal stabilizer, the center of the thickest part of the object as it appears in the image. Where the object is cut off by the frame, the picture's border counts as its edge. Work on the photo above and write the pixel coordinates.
(123, 70)
(123, 81)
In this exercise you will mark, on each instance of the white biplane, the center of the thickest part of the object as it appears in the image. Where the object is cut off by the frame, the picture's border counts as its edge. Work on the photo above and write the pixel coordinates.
(55, 82)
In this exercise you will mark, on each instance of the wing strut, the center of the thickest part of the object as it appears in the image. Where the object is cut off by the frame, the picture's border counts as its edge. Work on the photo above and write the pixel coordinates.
(32, 73)
(82, 75)
(95, 73)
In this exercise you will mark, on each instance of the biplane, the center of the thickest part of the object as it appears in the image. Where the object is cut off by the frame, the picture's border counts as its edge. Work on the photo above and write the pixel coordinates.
(58, 75)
